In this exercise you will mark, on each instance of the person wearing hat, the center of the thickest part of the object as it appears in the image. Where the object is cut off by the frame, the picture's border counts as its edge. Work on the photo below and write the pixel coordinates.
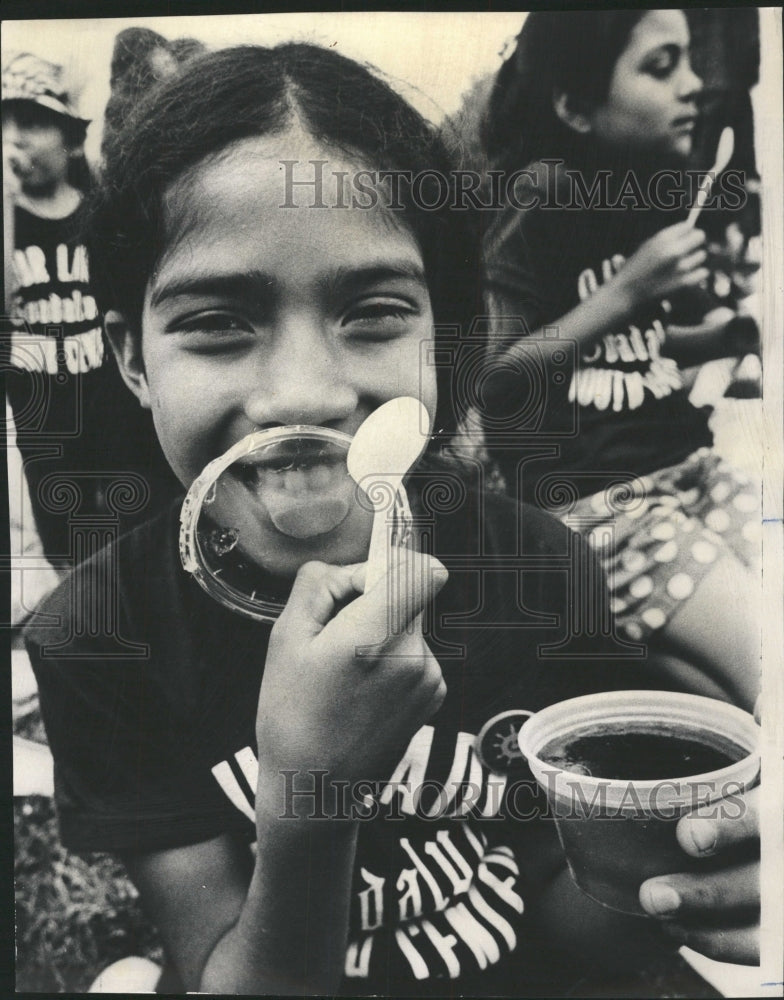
(77, 430)
(43, 136)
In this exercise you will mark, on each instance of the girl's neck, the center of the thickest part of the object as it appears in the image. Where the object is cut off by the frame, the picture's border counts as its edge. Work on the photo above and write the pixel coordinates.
(621, 162)
(56, 203)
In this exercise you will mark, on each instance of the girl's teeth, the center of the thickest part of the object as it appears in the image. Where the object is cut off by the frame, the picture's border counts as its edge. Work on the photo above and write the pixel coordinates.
(296, 481)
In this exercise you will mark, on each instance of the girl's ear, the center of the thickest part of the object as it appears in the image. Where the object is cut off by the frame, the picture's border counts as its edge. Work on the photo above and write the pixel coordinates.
(127, 347)
(566, 109)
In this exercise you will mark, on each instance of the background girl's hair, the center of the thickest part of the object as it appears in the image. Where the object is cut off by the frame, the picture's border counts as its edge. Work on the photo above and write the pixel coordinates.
(223, 97)
(572, 51)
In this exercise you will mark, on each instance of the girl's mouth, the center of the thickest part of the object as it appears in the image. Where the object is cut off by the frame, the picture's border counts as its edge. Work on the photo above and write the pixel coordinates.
(304, 487)
(685, 123)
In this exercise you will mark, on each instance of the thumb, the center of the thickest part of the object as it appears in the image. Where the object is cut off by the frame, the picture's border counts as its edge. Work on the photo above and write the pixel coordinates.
(411, 582)
(319, 589)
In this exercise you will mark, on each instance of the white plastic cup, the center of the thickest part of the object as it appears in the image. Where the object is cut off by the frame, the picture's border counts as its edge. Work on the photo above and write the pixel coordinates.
(616, 833)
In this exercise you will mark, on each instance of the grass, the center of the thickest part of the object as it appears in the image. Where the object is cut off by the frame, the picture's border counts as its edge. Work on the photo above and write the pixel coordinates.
(74, 915)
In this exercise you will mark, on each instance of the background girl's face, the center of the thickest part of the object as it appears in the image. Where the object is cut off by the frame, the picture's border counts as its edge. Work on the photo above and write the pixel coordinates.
(260, 315)
(36, 151)
(651, 102)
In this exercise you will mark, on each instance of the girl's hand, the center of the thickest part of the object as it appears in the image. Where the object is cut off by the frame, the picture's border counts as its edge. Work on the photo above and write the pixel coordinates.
(325, 702)
(671, 260)
(716, 913)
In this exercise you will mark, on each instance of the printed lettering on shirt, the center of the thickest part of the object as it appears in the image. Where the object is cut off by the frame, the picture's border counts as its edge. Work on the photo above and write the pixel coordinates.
(51, 314)
(468, 787)
(618, 388)
(471, 929)
(443, 898)
(30, 265)
(77, 353)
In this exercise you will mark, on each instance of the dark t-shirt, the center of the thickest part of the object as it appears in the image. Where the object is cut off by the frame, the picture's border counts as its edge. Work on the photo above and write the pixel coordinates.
(624, 410)
(90, 451)
(151, 716)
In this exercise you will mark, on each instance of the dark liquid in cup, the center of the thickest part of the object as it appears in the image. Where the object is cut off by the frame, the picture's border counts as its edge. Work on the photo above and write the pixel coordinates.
(641, 753)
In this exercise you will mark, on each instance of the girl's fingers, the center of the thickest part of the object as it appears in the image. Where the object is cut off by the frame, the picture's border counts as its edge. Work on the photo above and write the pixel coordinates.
(318, 590)
(696, 277)
(689, 896)
(724, 944)
(692, 239)
(692, 260)
(685, 235)
(411, 582)
(718, 825)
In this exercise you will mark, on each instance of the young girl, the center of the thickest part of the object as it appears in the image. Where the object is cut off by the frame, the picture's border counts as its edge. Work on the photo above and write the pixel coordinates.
(595, 254)
(378, 788)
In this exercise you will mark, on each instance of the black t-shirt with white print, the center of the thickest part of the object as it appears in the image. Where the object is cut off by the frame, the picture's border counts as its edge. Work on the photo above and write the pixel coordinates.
(82, 435)
(617, 406)
(151, 724)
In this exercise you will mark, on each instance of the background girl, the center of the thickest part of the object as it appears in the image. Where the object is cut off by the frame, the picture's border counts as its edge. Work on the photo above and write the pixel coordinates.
(602, 107)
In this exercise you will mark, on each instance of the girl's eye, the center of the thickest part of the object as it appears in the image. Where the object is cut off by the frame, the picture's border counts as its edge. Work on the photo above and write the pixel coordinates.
(662, 64)
(379, 319)
(213, 329)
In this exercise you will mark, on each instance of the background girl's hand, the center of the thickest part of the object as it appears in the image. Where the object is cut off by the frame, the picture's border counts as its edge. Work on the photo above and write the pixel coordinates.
(716, 912)
(325, 702)
(671, 260)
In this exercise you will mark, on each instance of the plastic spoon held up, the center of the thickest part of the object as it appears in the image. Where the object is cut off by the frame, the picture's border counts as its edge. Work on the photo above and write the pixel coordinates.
(723, 156)
(384, 448)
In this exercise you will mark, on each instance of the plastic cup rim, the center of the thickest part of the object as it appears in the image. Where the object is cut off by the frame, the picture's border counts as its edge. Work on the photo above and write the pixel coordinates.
(530, 741)
(191, 555)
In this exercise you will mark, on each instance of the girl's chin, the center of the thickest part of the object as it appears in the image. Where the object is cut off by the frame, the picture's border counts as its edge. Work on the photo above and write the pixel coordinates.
(683, 144)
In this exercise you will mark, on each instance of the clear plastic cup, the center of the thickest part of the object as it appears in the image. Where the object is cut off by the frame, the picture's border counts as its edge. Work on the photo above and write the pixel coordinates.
(276, 499)
(618, 832)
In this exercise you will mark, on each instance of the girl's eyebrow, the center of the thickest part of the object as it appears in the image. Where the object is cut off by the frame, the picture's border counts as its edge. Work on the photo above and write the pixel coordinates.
(342, 279)
(237, 284)
(253, 284)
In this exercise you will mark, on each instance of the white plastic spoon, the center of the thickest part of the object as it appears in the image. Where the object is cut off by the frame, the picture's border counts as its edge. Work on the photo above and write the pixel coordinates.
(723, 156)
(383, 450)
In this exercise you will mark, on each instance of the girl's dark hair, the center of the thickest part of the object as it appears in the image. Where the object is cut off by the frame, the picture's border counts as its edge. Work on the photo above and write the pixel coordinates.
(570, 51)
(132, 46)
(222, 97)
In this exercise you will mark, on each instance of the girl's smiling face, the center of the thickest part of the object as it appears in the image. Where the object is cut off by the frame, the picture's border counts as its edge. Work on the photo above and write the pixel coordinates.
(651, 103)
(259, 315)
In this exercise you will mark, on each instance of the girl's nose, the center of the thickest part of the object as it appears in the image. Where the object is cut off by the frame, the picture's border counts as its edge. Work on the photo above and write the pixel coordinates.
(689, 84)
(301, 380)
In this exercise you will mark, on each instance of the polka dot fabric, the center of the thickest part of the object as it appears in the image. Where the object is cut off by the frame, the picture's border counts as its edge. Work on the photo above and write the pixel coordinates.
(661, 535)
